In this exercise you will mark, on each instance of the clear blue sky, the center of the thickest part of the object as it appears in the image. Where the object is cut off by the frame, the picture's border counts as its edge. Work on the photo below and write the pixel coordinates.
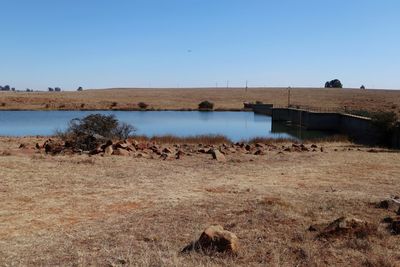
(165, 43)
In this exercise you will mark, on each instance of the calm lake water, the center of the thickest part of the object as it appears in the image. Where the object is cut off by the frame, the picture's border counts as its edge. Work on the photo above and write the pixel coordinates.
(235, 125)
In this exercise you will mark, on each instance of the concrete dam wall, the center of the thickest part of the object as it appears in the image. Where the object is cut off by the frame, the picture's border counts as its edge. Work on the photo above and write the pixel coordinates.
(360, 129)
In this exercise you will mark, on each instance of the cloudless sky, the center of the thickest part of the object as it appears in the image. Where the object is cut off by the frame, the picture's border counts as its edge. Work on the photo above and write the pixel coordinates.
(188, 43)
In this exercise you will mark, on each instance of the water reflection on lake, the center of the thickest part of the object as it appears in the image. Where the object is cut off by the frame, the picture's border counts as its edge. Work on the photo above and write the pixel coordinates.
(235, 125)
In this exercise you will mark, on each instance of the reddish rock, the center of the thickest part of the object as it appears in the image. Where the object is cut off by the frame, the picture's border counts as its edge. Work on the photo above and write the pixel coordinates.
(121, 152)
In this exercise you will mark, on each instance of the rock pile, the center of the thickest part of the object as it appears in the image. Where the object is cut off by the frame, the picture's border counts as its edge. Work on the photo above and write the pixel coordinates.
(148, 149)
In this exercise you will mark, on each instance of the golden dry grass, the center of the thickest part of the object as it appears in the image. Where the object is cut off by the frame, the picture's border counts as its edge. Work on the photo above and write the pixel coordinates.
(189, 98)
(114, 211)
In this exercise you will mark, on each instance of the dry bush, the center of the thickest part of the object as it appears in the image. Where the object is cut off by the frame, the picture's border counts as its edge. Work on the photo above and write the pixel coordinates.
(89, 132)
(142, 105)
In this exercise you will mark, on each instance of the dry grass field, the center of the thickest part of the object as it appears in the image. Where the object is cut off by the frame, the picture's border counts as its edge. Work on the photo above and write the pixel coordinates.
(125, 211)
(189, 98)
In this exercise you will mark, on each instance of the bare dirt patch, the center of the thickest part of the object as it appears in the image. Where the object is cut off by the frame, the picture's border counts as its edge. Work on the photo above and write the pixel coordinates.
(115, 210)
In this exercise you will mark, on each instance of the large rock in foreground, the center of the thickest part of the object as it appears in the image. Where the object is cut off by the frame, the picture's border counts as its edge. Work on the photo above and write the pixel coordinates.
(215, 239)
(217, 155)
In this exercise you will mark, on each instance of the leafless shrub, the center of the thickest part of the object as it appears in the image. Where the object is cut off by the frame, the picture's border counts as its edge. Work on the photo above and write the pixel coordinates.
(87, 132)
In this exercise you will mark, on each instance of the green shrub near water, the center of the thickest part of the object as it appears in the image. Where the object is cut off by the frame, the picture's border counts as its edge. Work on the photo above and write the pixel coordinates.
(206, 105)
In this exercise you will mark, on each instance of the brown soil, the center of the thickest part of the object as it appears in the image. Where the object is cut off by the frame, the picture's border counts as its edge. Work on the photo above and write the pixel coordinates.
(115, 210)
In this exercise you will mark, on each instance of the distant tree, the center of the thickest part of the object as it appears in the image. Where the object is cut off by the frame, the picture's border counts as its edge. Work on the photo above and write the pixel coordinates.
(13, 89)
(334, 84)
(51, 89)
(79, 89)
(362, 87)
(6, 88)
(29, 90)
(1, 88)
(57, 89)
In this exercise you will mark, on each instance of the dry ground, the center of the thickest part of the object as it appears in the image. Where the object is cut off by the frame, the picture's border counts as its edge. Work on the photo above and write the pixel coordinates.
(114, 211)
(190, 98)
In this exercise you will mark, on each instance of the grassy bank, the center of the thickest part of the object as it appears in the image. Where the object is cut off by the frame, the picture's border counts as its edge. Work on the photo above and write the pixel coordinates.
(188, 99)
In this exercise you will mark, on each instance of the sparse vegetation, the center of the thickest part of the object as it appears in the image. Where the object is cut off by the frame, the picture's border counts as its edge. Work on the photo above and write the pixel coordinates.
(142, 105)
(88, 132)
(385, 123)
(206, 105)
(95, 211)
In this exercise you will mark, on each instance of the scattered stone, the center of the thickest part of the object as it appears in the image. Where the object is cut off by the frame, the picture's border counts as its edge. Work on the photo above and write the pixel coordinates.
(314, 146)
(346, 226)
(108, 143)
(52, 147)
(395, 227)
(167, 150)
(259, 145)
(203, 150)
(287, 149)
(121, 152)
(322, 149)
(389, 204)
(179, 154)
(259, 152)
(215, 239)
(22, 146)
(304, 148)
(217, 155)
(108, 151)
(134, 143)
(164, 156)
(142, 146)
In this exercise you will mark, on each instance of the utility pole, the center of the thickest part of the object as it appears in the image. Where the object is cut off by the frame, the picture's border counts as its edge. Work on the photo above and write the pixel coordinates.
(247, 84)
(227, 84)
